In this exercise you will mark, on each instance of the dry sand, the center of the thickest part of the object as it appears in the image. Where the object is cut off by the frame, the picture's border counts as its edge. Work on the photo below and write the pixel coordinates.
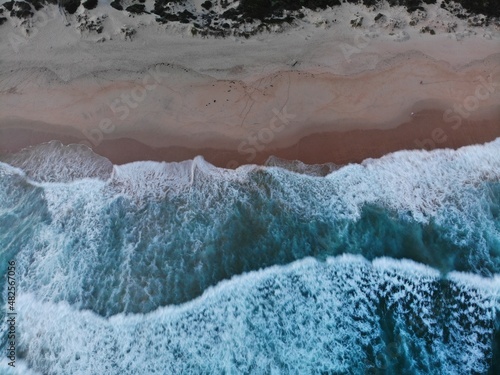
(172, 97)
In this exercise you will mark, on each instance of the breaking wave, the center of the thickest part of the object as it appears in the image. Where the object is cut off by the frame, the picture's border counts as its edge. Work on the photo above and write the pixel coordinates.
(389, 265)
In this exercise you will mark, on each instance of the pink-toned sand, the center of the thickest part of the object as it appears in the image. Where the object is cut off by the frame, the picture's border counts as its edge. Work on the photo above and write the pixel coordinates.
(241, 114)
(426, 130)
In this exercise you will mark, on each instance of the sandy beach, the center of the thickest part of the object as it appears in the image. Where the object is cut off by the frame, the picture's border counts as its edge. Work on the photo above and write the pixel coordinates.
(276, 187)
(312, 93)
(425, 131)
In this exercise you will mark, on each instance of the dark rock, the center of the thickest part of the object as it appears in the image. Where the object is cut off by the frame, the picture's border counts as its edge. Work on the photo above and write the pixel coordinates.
(379, 16)
(2, 20)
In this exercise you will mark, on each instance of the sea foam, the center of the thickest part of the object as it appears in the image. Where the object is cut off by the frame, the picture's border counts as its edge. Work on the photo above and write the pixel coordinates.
(155, 234)
(188, 268)
(345, 315)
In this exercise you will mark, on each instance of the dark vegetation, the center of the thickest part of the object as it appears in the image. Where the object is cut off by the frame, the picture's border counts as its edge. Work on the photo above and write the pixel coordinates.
(261, 9)
(37, 4)
(70, 5)
(165, 14)
(9, 5)
(24, 9)
(268, 11)
(427, 29)
(490, 8)
(90, 4)
(136, 9)
(116, 4)
(207, 5)
(2, 19)
(21, 9)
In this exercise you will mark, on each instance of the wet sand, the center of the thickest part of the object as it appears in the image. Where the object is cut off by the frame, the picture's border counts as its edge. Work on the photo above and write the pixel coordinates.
(426, 130)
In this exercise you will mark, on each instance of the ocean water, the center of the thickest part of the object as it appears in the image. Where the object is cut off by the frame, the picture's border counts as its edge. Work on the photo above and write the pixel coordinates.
(391, 266)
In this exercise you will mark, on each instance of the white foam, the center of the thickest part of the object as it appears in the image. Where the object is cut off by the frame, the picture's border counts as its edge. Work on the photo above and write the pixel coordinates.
(469, 280)
(447, 187)
(9, 170)
(420, 181)
(170, 219)
(156, 179)
(301, 317)
(21, 368)
(54, 162)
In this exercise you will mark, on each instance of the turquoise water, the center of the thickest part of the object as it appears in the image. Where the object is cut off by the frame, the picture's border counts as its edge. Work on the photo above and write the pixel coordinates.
(389, 266)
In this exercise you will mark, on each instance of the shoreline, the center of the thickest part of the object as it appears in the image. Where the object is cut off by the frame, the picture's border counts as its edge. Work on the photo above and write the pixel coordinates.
(324, 90)
(425, 131)
(171, 106)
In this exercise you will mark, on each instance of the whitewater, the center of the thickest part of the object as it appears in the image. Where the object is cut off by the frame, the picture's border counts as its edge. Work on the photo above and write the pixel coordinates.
(388, 266)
